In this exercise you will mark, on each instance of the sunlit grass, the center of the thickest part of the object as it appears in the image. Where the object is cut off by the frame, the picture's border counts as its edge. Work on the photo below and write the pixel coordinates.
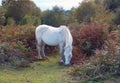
(47, 71)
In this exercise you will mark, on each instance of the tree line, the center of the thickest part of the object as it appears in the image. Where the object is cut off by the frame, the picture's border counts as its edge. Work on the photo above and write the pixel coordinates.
(21, 12)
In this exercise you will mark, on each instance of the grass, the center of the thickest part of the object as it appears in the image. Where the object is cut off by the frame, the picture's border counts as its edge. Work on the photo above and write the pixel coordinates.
(39, 72)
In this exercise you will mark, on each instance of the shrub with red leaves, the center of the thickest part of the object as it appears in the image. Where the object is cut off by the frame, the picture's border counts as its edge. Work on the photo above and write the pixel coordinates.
(92, 36)
(87, 38)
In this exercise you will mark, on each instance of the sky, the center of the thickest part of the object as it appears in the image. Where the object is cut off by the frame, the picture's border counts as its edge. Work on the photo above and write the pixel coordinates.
(48, 4)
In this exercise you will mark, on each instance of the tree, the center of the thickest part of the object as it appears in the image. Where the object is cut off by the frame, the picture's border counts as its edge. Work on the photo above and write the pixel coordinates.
(112, 5)
(72, 17)
(85, 11)
(54, 17)
(17, 9)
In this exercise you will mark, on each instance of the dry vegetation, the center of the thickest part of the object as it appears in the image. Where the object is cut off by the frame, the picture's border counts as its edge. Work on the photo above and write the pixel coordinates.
(95, 49)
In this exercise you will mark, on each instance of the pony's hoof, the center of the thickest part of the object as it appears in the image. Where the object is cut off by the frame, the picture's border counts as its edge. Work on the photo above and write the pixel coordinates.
(61, 63)
(40, 59)
(45, 58)
(67, 65)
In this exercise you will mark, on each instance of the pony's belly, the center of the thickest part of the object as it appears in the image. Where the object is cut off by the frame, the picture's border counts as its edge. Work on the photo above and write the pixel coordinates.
(50, 42)
(50, 39)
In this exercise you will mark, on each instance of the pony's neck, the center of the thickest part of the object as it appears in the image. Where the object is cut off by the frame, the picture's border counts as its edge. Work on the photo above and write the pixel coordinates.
(68, 39)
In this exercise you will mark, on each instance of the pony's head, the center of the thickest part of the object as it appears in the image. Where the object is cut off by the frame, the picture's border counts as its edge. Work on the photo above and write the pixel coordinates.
(68, 54)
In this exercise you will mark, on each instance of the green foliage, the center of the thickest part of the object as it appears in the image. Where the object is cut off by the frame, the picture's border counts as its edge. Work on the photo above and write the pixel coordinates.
(27, 20)
(20, 46)
(32, 20)
(2, 20)
(2, 15)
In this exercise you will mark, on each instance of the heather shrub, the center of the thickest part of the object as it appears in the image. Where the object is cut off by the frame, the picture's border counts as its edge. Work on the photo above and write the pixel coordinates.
(92, 36)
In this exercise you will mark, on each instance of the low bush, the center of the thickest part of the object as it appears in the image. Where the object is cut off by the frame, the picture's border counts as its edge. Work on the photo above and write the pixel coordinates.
(105, 64)
(10, 55)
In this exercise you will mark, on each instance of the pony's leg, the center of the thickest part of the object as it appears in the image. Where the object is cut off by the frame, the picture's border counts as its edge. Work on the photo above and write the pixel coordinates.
(39, 50)
(43, 48)
(61, 52)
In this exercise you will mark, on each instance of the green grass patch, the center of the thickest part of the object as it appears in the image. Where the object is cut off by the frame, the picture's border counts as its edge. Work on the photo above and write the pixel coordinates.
(47, 71)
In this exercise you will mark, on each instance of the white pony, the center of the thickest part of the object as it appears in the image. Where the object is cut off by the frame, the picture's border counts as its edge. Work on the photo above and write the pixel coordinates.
(54, 36)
